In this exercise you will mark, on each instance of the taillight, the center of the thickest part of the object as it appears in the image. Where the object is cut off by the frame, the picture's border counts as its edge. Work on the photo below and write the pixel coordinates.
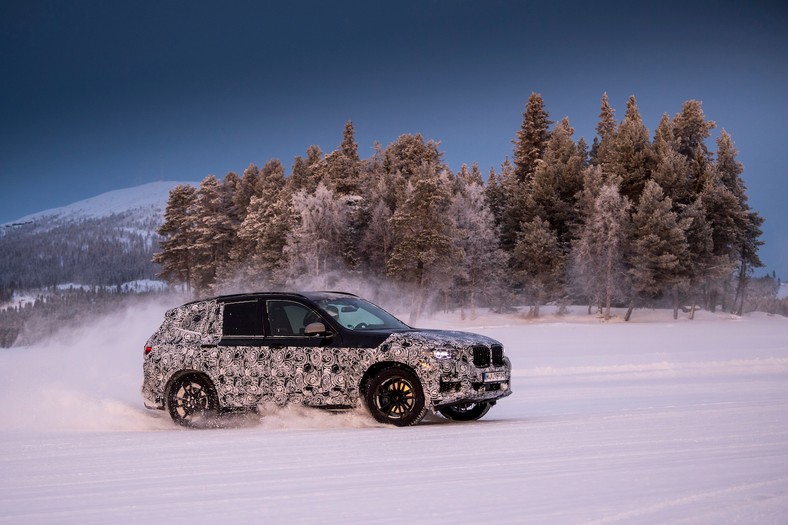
(148, 349)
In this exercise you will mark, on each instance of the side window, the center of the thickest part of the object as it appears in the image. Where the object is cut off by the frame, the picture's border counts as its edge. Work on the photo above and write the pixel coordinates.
(242, 319)
(288, 318)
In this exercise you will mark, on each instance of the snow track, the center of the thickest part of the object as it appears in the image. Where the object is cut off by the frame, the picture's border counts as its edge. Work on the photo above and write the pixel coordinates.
(648, 422)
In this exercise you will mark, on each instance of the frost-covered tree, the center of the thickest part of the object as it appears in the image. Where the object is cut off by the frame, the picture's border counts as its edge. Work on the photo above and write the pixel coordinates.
(340, 171)
(532, 138)
(658, 248)
(245, 190)
(424, 252)
(258, 251)
(538, 262)
(303, 175)
(376, 240)
(318, 236)
(177, 231)
(482, 268)
(408, 153)
(598, 251)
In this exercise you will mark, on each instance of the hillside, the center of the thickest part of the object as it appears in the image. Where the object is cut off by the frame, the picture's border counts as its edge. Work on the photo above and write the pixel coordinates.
(105, 240)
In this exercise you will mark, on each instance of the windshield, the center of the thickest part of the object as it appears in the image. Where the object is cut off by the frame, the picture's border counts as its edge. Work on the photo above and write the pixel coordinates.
(358, 314)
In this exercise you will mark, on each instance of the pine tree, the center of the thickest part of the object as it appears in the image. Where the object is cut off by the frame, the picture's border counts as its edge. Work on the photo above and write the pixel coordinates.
(672, 171)
(408, 153)
(705, 267)
(532, 138)
(517, 205)
(340, 171)
(214, 234)
(729, 171)
(690, 131)
(245, 190)
(424, 252)
(539, 262)
(258, 251)
(601, 152)
(725, 217)
(632, 159)
(494, 196)
(349, 146)
(557, 181)
(178, 233)
(658, 247)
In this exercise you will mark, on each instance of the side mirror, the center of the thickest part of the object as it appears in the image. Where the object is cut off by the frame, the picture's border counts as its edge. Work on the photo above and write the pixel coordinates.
(315, 329)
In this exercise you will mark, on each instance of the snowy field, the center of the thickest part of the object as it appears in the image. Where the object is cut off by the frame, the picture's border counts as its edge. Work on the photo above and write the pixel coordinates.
(651, 421)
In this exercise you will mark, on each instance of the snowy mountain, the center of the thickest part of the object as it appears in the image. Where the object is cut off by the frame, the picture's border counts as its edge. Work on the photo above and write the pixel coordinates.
(146, 199)
(105, 240)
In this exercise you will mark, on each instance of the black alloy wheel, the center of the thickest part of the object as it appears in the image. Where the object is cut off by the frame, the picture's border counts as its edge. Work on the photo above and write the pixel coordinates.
(192, 401)
(467, 412)
(395, 396)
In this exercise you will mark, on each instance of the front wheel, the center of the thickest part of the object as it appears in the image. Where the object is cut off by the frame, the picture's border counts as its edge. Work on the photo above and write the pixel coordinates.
(192, 401)
(467, 412)
(395, 396)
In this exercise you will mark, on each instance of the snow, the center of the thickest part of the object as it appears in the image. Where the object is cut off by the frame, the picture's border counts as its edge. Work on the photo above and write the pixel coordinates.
(151, 195)
(651, 421)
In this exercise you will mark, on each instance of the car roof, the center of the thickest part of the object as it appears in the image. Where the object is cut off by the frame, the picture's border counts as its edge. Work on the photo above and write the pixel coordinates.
(253, 295)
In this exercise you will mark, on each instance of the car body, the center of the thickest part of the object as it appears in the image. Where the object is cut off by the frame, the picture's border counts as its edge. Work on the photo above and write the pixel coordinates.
(321, 349)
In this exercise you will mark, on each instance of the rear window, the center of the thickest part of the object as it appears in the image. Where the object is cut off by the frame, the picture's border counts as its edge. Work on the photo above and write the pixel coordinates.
(242, 319)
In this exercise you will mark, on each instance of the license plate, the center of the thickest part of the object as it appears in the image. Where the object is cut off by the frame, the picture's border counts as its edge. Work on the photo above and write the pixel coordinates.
(491, 377)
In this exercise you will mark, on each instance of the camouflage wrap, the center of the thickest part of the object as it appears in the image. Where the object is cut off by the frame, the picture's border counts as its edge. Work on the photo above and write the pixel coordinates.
(245, 376)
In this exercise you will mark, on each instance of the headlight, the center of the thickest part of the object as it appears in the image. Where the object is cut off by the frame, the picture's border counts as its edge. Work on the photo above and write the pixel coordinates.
(443, 353)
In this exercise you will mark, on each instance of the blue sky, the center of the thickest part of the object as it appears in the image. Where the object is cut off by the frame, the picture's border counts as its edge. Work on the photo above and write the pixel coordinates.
(101, 95)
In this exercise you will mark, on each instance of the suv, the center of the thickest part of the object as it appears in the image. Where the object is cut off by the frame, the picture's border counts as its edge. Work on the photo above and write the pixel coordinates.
(321, 349)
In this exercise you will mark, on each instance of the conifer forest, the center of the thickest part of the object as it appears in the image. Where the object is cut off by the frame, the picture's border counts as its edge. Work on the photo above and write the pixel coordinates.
(633, 219)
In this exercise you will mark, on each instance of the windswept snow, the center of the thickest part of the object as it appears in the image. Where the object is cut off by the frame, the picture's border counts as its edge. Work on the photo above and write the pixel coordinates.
(652, 421)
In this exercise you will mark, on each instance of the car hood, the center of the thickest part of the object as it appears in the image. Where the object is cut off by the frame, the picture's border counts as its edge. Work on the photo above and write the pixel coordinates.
(451, 338)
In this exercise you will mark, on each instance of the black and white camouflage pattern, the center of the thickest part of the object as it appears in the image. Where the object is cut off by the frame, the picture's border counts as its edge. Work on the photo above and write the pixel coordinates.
(246, 376)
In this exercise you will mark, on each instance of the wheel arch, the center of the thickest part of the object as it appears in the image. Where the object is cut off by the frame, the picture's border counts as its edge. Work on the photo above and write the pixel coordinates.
(376, 368)
(188, 372)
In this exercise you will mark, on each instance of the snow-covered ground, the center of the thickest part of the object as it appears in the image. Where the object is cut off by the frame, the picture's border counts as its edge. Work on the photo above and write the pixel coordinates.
(652, 421)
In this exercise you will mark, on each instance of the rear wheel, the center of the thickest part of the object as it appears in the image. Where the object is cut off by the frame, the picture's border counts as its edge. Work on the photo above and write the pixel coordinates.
(395, 396)
(192, 401)
(467, 412)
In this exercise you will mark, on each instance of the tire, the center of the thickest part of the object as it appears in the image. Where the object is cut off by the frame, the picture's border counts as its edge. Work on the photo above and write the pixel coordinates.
(395, 396)
(467, 412)
(192, 401)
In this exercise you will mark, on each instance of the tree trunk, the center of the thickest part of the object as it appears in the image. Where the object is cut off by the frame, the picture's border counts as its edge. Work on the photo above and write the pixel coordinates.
(675, 302)
(629, 310)
(740, 289)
